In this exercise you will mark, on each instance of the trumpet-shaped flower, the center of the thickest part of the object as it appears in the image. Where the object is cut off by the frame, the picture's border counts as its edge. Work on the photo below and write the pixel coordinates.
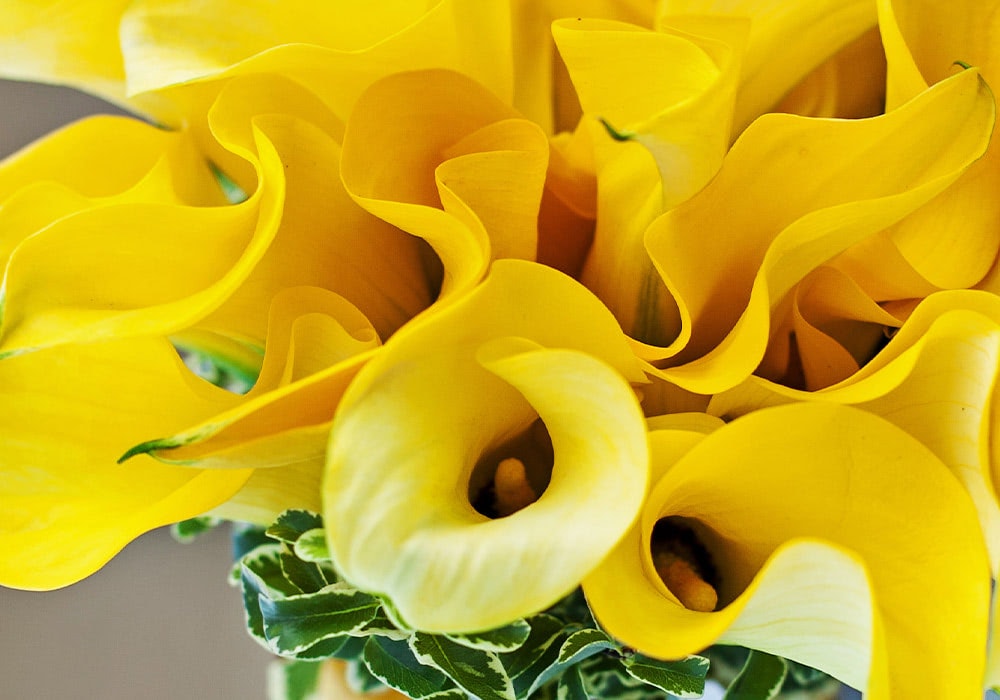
(874, 173)
(493, 397)
(801, 519)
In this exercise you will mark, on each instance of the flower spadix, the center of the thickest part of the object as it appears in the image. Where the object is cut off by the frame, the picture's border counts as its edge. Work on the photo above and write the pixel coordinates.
(527, 354)
(807, 516)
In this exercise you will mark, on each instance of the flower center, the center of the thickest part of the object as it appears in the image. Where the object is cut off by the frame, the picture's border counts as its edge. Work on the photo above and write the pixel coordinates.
(684, 564)
(513, 475)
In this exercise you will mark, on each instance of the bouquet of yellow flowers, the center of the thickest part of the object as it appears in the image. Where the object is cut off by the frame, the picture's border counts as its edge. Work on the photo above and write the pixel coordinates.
(541, 348)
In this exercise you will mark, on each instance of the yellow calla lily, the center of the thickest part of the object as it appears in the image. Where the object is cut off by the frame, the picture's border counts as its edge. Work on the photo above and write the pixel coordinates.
(953, 242)
(470, 185)
(935, 380)
(336, 51)
(848, 85)
(468, 386)
(149, 283)
(69, 412)
(787, 40)
(800, 511)
(766, 243)
(316, 343)
(71, 43)
(627, 77)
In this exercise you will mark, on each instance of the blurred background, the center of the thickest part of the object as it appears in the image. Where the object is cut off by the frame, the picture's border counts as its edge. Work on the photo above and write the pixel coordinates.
(159, 622)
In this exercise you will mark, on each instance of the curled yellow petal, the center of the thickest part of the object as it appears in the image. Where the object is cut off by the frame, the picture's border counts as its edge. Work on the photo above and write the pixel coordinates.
(798, 509)
(935, 380)
(420, 433)
(68, 414)
(765, 243)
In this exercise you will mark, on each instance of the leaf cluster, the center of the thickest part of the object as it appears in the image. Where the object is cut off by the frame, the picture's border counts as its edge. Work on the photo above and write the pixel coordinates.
(300, 608)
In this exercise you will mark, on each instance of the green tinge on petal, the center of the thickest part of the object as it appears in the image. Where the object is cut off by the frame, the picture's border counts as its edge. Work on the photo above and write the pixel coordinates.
(781, 222)
(799, 507)
(316, 343)
(443, 393)
(69, 412)
(673, 93)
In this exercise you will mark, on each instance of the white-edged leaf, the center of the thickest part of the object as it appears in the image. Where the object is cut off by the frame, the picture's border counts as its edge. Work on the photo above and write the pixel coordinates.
(291, 524)
(545, 631)
(760, 678)
(187, 530)
(478, 672)
(311, 546)
(394, 663)
(584, 644)
(307, 576)
(684, 678)
(295, 623)
(293, 680)
(501, 640)
(572, 685)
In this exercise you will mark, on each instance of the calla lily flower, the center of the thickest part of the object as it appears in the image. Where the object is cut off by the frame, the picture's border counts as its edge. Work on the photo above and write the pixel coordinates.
(935, 380)
(795, 516)
(69, 411)
(470, 185)
(727, 297)
(954, 242)
(422, 432)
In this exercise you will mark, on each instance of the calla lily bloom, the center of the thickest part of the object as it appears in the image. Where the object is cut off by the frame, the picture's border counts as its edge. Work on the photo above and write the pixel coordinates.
(68, 413)
(801, 520)
(778, 224)
(470, 185)
(954, 242)
(468, 402)
(935, 380)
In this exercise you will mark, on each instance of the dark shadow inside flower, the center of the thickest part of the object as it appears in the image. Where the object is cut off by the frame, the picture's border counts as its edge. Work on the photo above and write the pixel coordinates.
(684, 564)
(514, 474)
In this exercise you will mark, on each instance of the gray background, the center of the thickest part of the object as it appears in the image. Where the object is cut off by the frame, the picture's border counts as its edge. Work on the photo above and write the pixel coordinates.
(160, 621)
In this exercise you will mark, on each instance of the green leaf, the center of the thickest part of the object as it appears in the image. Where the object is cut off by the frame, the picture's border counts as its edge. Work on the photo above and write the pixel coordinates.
(297, 622)
(187, 530)
(805, 676)
(501, 640)
(478, 672)
(353, 649)
(761, 678)
(247, 538)
(382, 626)
(572, 686)
(360, 679)
(293, 680)
(584, 644)
(306, 576)
(291, 524)
(328, 648)
(261, 578)
(450, 694)
(311, 546)
(545, 630)
(684, 678)
(396, 666)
